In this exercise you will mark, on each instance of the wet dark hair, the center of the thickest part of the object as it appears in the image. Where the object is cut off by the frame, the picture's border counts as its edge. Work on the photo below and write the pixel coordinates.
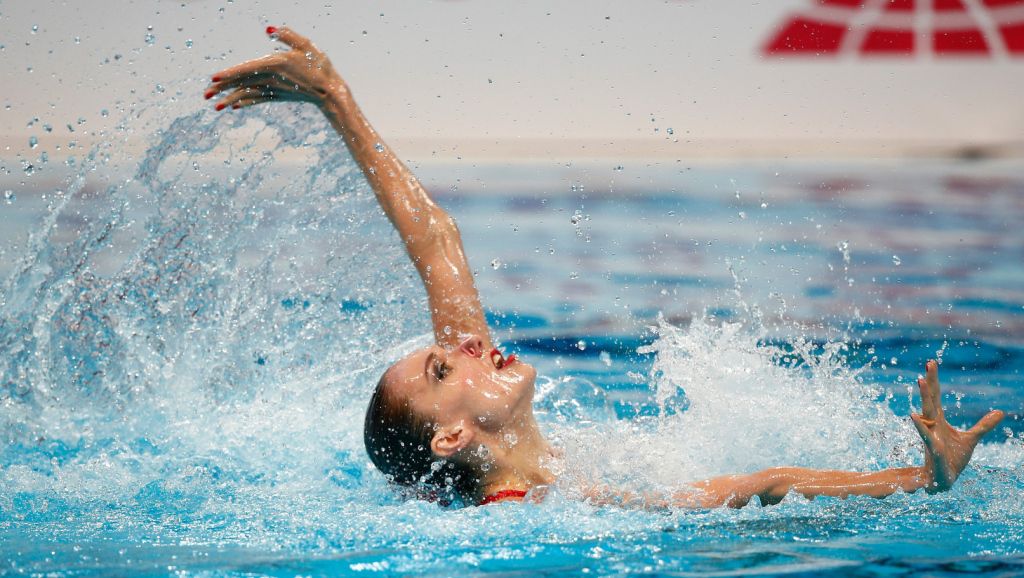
(398, 442)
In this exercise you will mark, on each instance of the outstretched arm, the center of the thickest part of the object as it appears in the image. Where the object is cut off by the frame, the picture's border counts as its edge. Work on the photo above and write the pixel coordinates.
(429, 233)
(947, 452)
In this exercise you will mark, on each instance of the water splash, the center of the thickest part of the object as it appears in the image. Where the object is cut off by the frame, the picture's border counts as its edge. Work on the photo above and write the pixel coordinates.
(204, 331)
(734, 400)
(192, 335)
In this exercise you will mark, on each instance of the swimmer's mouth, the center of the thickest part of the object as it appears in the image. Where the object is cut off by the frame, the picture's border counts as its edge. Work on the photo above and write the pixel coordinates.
(499, 360)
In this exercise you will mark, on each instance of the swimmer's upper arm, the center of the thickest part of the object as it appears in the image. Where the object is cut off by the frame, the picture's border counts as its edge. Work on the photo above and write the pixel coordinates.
(734, 491)
(429, 233)
(451, 293)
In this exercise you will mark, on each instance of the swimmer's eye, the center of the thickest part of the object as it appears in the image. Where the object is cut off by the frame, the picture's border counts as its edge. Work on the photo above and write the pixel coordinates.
(441, 370)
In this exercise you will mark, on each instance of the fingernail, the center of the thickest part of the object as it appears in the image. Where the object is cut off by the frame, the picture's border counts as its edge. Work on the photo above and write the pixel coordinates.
(215, 79)
(209, 94)
(220, 106)
(235, 107)
(271, 30)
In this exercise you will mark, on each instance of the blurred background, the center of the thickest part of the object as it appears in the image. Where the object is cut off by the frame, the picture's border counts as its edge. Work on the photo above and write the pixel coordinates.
(485, 80)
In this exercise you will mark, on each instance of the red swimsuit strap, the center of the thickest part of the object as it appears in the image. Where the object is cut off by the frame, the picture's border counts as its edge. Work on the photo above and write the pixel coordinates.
(499, 496)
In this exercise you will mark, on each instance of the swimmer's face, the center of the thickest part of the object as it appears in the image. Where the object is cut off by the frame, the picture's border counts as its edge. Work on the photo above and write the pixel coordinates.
(463, 385)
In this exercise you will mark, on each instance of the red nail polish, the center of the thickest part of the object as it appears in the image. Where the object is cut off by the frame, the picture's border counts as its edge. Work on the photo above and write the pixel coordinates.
(271, 30)
(220, 106)
(215, 79)
(235, 107)
(209, 94)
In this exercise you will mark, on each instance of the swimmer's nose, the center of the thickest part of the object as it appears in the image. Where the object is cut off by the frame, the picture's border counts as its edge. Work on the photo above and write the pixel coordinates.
(473, 346)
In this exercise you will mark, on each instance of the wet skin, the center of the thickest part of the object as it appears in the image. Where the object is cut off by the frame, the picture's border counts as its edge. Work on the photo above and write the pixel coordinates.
(464, 384)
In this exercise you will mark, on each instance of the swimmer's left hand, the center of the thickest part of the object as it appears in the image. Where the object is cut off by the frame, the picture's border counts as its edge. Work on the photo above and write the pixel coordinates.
(302, 74)
(947, 449)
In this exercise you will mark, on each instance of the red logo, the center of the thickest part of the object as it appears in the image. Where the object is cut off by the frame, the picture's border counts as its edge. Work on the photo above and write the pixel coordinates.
(903, 28)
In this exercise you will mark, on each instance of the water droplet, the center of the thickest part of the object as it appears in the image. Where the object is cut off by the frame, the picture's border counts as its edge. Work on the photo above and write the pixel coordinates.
(670, 131)
(495, 264)
(447, 329)
(605, 358)
(188, 43)
(618, 169)
(104, 113)
(764, 205)
(35, 28)
(47, 128)
(581, 345)
(576, 217)
(78, 39)
(33, 142)
(9, 196)
(743, 214)
(379, 147)
(893, 361)
(896, 260)
(574, 275)
(150, 37)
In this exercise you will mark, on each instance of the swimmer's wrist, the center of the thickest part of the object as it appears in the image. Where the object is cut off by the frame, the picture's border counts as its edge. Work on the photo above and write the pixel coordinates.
(335, 92)
(336, 100)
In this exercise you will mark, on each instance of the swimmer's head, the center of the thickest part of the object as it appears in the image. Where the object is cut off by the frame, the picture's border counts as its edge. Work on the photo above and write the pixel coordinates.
(433, 410)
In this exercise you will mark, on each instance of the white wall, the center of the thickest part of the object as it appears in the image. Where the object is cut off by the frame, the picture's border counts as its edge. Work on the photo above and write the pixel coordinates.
(490, 76)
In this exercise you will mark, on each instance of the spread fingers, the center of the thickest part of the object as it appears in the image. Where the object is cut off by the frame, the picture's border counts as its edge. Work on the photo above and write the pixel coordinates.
(249, 101)
(923, 425)
(263, 65)
(240, 94)
(291, 38)
(987, 423)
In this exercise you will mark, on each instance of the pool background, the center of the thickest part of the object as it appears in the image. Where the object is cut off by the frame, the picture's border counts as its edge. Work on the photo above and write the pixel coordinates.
(191, 338)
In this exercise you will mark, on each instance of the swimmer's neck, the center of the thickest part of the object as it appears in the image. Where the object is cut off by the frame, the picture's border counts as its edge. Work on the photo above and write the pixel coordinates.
(522, 458)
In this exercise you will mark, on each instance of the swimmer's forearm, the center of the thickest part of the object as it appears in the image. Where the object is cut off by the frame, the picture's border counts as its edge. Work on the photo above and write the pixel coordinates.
(400, 194)
(428, 232)
(773, 484)
(841, 484)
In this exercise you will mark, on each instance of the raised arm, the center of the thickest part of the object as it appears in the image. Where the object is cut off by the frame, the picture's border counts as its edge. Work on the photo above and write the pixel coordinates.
(947, 453)
(430, 235)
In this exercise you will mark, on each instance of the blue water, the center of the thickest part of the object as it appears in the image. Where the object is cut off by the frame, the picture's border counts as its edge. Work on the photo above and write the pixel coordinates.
(190, 338)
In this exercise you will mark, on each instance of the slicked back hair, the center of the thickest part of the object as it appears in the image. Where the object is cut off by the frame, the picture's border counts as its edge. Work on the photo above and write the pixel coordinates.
(398, 442)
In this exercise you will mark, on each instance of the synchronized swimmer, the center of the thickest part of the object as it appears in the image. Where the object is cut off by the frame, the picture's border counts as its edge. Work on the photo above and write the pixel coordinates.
(455, 421)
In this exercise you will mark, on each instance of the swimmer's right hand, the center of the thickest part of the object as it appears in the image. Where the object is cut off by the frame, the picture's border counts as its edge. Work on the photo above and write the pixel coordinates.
(302, 74)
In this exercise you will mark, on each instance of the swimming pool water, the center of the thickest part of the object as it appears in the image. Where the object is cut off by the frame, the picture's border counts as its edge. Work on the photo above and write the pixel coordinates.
(190, 340)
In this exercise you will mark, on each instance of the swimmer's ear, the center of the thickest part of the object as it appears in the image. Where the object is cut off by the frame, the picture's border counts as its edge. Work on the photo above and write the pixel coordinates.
(448, 441)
